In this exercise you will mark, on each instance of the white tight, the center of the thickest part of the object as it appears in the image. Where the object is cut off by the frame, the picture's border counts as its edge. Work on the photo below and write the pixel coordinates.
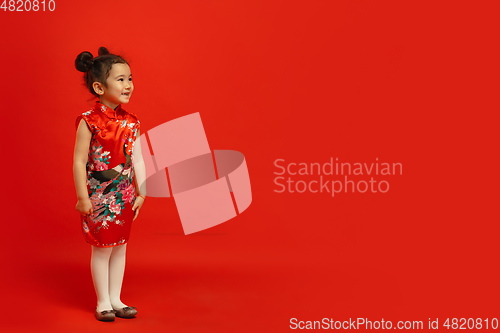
(107, 266)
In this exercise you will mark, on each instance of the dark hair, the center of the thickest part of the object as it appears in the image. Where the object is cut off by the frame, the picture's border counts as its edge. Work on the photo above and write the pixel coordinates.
(97, 69)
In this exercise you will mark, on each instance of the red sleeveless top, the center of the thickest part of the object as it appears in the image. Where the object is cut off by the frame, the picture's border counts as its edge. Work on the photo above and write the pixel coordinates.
(113, 130)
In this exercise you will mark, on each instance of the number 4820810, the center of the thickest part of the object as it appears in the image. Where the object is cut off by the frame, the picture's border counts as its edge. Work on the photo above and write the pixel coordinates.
(28, 6)
(471, 323)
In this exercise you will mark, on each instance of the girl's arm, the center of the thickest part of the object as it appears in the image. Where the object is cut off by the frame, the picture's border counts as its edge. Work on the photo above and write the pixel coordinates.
(83, 137)
(139, 166)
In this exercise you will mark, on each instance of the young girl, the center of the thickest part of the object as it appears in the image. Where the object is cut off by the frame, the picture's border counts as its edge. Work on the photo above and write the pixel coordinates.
(107, 158)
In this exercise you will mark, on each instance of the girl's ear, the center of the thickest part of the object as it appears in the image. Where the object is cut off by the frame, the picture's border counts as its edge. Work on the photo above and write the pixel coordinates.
(98, 88)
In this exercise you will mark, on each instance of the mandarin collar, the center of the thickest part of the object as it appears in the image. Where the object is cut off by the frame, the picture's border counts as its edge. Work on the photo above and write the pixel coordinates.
(113, 114)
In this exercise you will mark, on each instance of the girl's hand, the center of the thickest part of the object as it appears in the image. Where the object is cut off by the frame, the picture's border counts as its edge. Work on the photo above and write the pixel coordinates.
(84, 206)
(139, 201)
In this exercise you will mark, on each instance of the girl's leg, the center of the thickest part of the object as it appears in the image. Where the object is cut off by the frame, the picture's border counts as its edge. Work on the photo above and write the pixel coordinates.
(116, 270)
(99, 266)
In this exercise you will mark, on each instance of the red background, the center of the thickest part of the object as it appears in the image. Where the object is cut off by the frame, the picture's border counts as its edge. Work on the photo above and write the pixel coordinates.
(412, 83)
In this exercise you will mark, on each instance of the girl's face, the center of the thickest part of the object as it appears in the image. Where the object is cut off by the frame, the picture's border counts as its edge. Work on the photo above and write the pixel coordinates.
(120, 86)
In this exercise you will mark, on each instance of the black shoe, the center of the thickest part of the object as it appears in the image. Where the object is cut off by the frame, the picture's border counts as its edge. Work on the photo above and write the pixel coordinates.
(126, 312)
(106, 315)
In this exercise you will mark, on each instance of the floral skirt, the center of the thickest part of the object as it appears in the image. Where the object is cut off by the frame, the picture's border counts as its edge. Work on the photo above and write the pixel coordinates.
(112, 202)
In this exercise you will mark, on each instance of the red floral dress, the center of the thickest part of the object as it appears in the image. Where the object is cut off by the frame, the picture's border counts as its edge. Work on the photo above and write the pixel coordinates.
(110, 174)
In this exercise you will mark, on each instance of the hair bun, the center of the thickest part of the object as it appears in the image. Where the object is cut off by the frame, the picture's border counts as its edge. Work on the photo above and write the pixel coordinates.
(103, 50)
(84, 61)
